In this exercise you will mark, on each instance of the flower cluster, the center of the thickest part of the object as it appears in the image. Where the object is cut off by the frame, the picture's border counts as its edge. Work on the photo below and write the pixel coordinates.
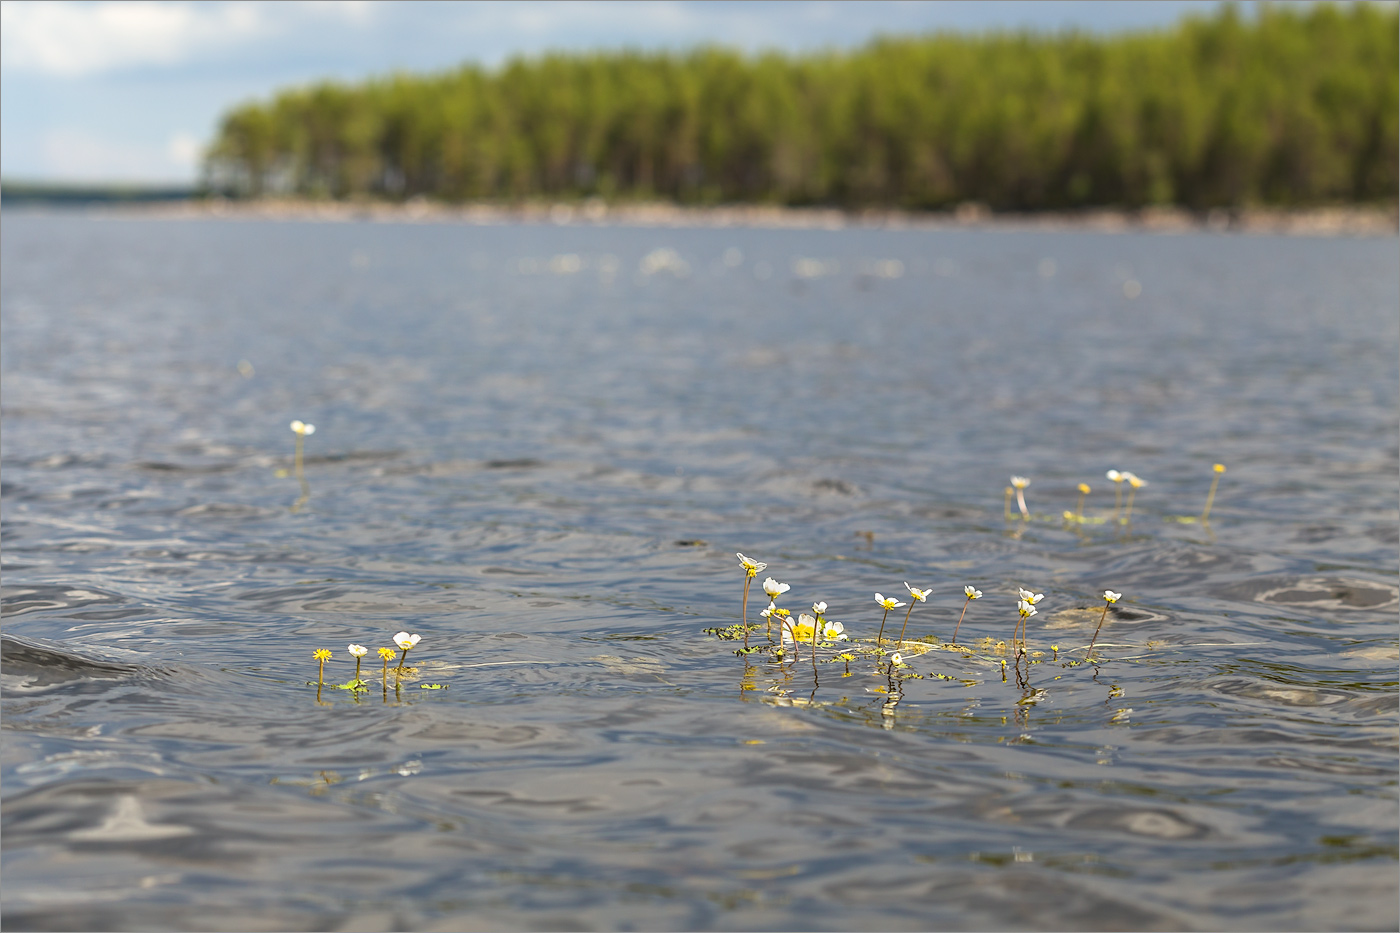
(404, 640)
(810, 633)
(1121, 512)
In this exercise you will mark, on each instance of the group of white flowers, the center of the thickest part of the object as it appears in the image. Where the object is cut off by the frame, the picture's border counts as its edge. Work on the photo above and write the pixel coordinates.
(1123, 476)
(809, 627)
(1019, 484)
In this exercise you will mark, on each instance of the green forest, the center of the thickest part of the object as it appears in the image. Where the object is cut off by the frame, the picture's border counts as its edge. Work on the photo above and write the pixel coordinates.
(1287, 106)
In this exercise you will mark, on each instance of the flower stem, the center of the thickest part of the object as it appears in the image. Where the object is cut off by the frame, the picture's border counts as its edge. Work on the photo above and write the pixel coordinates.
(398, 672)
(1117, 499)
(301, 476)
(1079, 510)
(1006, 504)
(357, 670)
(906, 621)
(879, 639)
(1210, 498)
(1096, 631)
(320, 671)
(1021, 503)
(960, 618)
(1128, 516)
(747, 581)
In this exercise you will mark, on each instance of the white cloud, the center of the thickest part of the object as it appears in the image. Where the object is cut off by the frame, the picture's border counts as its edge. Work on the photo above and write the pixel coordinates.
(70, 40)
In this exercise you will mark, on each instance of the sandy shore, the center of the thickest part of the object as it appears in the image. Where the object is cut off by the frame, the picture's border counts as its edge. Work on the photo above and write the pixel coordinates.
(1327, 221)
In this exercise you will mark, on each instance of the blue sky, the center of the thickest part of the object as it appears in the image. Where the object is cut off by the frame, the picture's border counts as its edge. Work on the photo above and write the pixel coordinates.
(130, 90)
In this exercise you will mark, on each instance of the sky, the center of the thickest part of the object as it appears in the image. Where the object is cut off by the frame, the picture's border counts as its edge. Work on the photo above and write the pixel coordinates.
(130, 91)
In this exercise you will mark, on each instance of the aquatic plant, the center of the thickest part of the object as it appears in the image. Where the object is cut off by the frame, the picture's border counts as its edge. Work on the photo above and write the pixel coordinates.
(774, 589)
(357, 652)
(1078, 514)
(806, 620)
(782, 616)
(1218, 469)
(919, 596)
(834, 631)
(1019, 483)
(971, 594)
(386, 655)
(1026, 608)
(1117, 478)
(1135, 483)
(887, 603)
(752, 568)
(301, 429)
(818, 623)
(405, 642)
(788, 634)
(1006, 503)
(322, 656)
(1109, 598)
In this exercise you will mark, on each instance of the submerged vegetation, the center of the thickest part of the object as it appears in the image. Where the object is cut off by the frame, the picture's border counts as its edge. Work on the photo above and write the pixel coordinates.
(1283, 106)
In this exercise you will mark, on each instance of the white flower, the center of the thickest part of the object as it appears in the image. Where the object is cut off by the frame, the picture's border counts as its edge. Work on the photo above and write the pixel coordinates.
(751, 566)
(1111, 597)
(405, 640)
(303, 428)
(917, 593)
(1133, 480)
(1115, 476)
(801, 629)
(887, 604)
(835, 631)
(972, 593)
(896, 658)
(358, 651)
(774, 589)
(1026, 609)
(1020, 482)
(819, 608)
(1030, 597)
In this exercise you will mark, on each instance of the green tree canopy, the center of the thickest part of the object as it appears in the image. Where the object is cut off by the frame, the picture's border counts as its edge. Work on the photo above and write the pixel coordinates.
(1288, 106)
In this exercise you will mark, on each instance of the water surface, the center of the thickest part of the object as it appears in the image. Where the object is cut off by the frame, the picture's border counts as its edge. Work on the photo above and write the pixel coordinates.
(539, 447)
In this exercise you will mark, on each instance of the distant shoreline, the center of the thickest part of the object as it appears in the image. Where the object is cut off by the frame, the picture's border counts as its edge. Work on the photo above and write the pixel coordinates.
(1320, 221)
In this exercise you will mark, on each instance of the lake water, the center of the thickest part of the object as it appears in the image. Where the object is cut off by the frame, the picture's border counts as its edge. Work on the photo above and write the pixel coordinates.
(540, 447)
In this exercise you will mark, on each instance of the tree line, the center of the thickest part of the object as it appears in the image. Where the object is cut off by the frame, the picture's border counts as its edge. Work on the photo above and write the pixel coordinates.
(1284, 106)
